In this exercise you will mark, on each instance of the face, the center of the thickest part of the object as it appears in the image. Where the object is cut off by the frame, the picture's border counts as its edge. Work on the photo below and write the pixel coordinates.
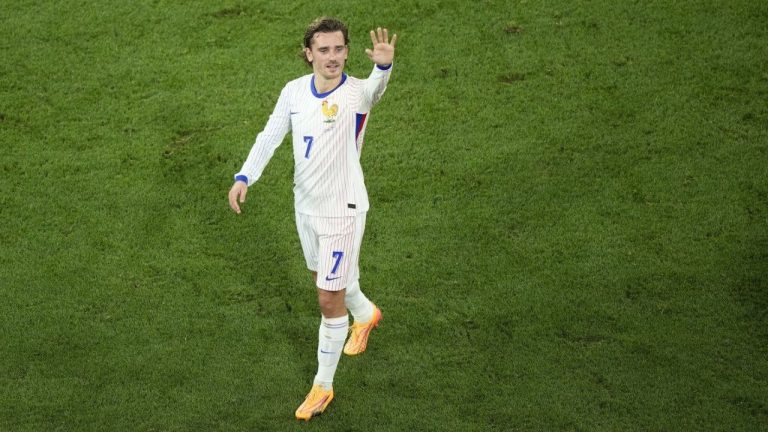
(328, 54)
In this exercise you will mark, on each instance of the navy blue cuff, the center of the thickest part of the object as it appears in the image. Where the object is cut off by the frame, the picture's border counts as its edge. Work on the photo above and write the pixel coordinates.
(241, 178)
(385, 67)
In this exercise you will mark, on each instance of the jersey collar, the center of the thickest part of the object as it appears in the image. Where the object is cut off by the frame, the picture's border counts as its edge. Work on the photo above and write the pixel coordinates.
(323, 95)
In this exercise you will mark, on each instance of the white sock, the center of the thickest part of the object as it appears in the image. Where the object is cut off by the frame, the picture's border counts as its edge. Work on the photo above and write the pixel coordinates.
(358, 303)
(333, 333)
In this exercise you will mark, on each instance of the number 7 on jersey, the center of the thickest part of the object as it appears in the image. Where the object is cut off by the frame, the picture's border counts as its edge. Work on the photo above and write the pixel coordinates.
(308, 140)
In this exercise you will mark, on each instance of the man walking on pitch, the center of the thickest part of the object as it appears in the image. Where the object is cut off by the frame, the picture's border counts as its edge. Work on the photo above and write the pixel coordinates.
(327, 112)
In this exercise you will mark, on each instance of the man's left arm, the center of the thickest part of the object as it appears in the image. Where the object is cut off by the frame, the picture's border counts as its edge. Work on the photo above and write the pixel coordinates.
(382, 54)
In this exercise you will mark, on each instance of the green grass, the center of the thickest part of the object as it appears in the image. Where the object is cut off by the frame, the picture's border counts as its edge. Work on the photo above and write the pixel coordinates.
(568, 230)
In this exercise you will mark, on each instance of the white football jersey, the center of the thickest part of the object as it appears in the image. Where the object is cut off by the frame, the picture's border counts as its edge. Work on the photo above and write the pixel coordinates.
(327, 131)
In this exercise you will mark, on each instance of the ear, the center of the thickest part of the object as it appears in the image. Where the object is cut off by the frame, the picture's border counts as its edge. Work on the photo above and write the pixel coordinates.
(308, 53)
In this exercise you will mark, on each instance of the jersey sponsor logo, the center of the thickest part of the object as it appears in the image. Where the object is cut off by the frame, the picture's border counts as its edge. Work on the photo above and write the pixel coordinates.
(329, 112)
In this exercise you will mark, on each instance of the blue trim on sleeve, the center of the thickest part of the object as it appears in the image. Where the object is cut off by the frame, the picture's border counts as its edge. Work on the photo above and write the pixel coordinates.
(359, 123)
(241, 178)
(385, 67)
(322, 95)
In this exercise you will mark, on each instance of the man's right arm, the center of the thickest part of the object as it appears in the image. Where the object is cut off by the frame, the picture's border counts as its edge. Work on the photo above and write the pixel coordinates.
(267, 141)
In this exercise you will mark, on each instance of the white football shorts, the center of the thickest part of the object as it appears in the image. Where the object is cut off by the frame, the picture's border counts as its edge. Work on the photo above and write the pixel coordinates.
(331, 248)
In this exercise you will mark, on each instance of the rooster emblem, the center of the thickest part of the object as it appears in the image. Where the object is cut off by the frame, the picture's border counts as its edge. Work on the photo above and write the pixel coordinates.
(330, 112)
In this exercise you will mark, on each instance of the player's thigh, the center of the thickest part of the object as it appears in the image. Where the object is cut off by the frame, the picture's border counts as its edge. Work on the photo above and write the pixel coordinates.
(339, 252)
(309, 239)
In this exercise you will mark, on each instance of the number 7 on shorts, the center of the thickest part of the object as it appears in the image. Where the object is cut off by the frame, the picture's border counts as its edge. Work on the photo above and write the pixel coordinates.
(337, 255)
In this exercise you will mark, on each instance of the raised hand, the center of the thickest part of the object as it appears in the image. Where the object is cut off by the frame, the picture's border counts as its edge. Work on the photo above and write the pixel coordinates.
(383, 49)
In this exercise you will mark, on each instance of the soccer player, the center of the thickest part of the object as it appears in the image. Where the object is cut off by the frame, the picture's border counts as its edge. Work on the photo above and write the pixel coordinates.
(327, 113)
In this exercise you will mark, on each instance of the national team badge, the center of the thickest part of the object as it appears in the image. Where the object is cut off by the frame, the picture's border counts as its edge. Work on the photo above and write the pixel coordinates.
(329, 112)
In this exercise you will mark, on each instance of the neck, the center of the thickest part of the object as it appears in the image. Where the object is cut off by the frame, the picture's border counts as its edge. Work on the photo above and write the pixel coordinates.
(323, 85)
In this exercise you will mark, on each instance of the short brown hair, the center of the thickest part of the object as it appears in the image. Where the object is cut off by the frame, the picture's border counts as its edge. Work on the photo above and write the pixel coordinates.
(324, 25)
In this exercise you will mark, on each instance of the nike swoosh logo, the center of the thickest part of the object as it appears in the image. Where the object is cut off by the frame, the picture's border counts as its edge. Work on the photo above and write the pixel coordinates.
(331, 279)
(326, 352)
(294, 112)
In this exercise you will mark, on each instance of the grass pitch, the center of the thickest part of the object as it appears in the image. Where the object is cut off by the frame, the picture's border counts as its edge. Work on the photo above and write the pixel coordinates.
(568, 223)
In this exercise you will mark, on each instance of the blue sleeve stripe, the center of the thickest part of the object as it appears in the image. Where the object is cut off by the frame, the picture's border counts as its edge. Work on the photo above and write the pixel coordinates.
(242, 178)
(384, 67)
(359, 123)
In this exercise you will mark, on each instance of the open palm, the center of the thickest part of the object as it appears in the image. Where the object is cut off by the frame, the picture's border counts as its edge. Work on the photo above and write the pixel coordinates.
(383, 49)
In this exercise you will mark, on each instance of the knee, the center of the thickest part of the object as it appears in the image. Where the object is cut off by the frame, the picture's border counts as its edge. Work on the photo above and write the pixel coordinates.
(332, 303)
